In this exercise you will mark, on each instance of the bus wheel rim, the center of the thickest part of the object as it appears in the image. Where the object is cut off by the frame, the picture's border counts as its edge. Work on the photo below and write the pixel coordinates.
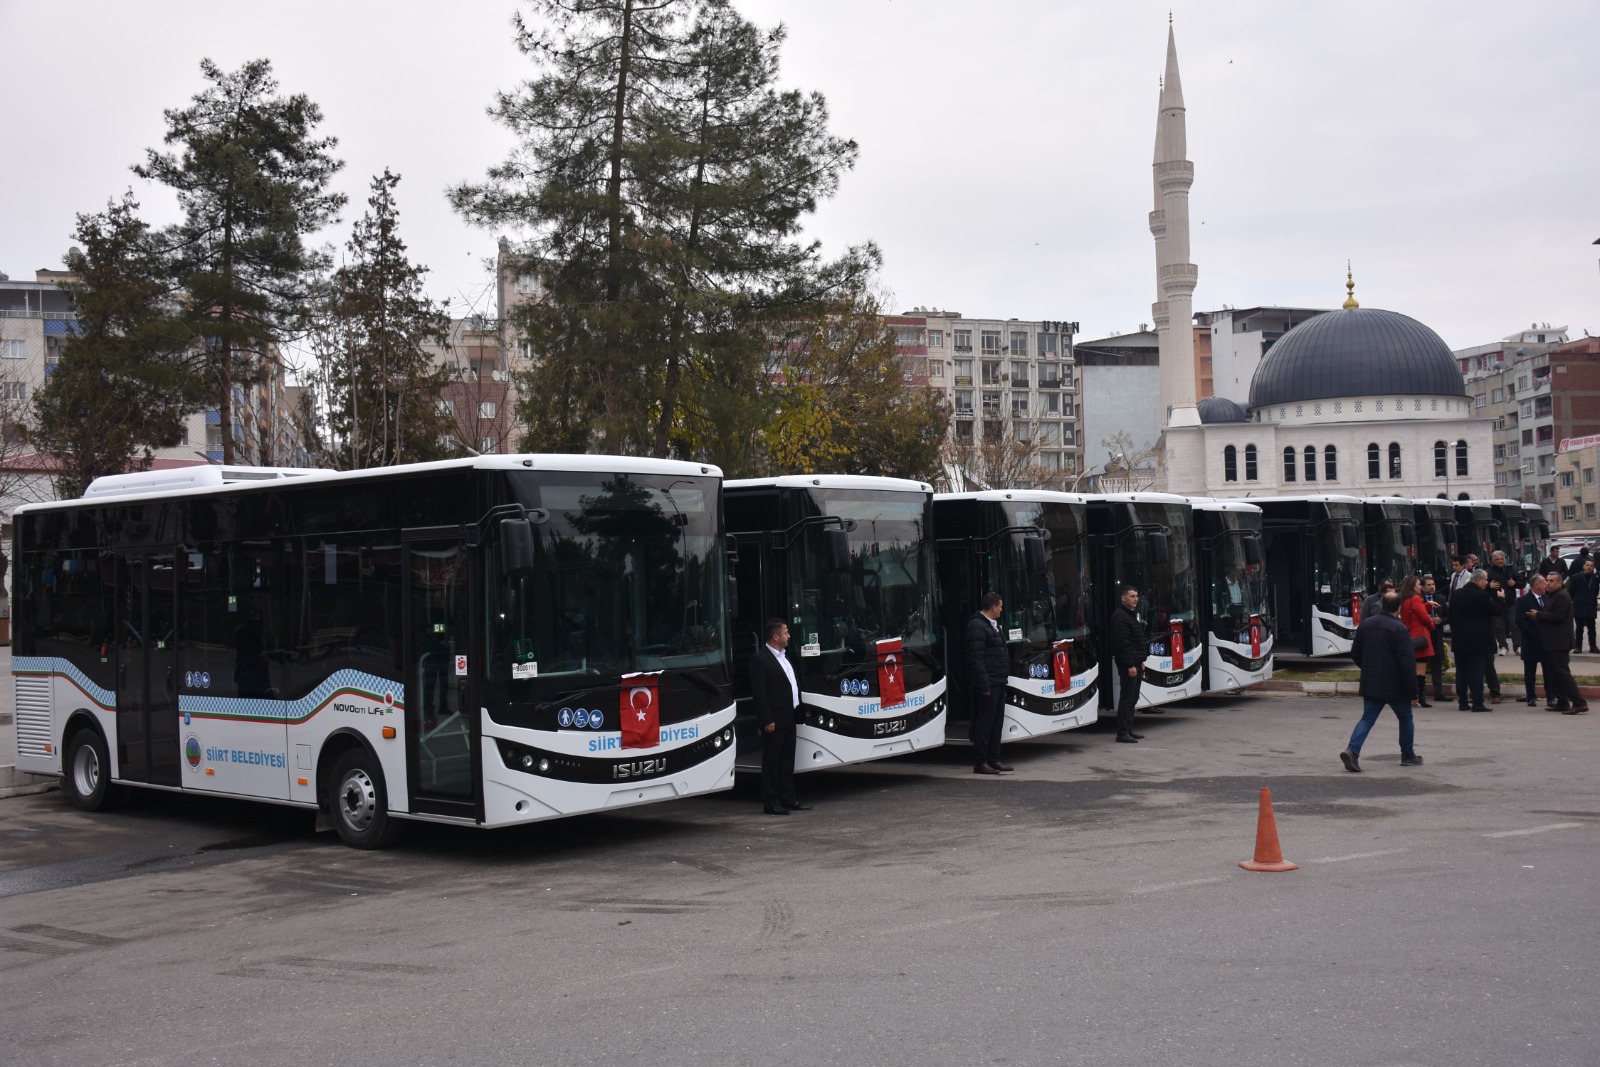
(358, 800)
(86, 770)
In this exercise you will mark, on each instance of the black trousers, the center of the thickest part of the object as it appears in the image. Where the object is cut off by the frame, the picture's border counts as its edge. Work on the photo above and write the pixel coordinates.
(1530, 671)
(1127, 698)
(777, 768)
(1436, 669)
(1583, 625)
(1491, 675)
(988, 720)
(1558, 679)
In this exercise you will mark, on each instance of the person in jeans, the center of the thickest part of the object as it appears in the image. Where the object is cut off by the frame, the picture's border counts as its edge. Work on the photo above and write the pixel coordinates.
(1472, 612)
(1382, 649)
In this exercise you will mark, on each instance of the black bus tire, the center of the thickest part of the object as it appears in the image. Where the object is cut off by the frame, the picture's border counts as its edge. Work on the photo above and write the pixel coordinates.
(86, 775)
(358, 802)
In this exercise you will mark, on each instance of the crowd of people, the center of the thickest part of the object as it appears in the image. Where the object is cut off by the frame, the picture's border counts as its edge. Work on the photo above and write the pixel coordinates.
(1408, 634)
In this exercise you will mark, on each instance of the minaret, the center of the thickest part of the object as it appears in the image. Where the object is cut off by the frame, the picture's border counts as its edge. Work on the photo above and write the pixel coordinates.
(1173, 311)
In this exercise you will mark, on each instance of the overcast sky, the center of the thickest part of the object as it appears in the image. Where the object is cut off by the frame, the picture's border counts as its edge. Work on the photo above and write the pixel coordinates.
(1448, 149)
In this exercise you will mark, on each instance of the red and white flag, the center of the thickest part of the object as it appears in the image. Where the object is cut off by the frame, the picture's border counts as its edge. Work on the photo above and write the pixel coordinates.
(1177, 646)
(1355, 609)
(640, 708)
(1255, 636)
(891, 673)
(1061, 664)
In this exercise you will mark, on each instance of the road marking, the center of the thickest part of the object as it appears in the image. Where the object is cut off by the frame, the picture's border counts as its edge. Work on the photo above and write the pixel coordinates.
(1536, 829)
(1356, 856)
(1177, 885)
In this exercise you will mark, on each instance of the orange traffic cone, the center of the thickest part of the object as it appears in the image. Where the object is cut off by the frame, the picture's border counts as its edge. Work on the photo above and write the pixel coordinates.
(1269, 856)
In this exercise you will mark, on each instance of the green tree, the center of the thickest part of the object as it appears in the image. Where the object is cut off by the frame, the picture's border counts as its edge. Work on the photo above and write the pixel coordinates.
(252, 179)
(127, 378)
(663, 178)
(378, 383)
(845, 406)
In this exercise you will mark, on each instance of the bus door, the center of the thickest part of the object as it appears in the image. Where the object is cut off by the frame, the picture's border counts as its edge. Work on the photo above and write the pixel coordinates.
(147, 684)
(441, 702)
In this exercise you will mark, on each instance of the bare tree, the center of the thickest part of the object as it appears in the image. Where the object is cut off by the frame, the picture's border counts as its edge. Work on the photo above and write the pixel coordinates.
(994, 458)
(1129, 467)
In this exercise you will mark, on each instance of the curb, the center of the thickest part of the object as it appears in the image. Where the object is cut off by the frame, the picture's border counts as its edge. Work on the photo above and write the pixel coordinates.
(15, 783)
(1353, 688)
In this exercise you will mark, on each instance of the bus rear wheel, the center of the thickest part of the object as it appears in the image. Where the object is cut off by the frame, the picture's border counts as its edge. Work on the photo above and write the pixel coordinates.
(359, 803)
(87, 774)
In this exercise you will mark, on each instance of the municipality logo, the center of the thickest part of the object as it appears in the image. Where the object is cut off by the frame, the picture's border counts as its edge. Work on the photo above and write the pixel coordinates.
(191, 752)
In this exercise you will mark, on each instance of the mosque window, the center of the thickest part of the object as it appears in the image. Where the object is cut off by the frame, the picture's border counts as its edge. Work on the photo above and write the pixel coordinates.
(1249, 463)
(1419, 404)
(1441, 460)
(1299, 411)
(1330, 464)
(1316, 409)
(1311, 463)
(1358, 405)
(1461, 459)
(1374, 461)
(1230, 464)
(1338, 407)
(1394, 459)
(1380, 405)
(1288, 463)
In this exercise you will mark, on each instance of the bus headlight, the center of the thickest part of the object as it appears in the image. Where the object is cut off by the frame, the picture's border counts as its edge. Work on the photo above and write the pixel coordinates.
(527, 761)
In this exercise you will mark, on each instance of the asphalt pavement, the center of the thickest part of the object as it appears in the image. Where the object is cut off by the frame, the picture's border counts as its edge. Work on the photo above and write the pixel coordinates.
(1088, 909)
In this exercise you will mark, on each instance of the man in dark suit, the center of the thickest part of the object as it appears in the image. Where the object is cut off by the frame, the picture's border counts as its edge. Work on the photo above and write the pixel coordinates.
(1436, 606)
(1584, 587)
(1473, 608)
(1555, 633)
(1130, 644)
(775, 694)
(1532, 647)
(1382, 649)
(988, 668)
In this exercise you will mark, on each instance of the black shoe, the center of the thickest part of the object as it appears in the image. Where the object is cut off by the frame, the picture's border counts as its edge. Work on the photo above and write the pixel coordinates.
(1136, 736)
(984, 768)
(1004, 768)
(773, 811)
(1531, 703)
(1350, 760)
(1423, 704)
(1482, 709)
(1462, 707)
(1410, 761)
(1494, 698)
(1127, 739)
(797, 806)
(1560, 705)
(1155, 711)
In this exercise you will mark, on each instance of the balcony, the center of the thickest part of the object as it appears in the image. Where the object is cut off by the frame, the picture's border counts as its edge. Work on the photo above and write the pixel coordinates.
(963, 413)
(963, 348)
(1019, 383)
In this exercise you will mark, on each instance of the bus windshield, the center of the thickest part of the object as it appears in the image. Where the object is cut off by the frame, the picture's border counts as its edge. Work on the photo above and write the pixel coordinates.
(626, 578)
(1238, 587)
(1167, 589)
(1339, 572)
(1052, 604)
(1390, 555)
(887, 590)
(1435, 542)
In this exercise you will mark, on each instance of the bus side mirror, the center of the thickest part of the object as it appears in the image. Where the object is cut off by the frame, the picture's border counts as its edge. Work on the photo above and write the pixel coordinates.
(1449, 531)
(838, 544)
(1033, 554)
(1352, 538)
(733, 593)
(1408, 535)
(1157, 543)
(1252, 551)
(731, 548)
(516, 546)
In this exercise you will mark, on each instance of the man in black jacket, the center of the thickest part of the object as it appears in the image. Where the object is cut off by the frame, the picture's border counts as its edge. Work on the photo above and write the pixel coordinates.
(1436, 606)
(1130, 644)
(1527, 609)
(988, 668)
(775, 695)
(1555, 633)
(1382, 649)
(1584, 586)
(1472, 612)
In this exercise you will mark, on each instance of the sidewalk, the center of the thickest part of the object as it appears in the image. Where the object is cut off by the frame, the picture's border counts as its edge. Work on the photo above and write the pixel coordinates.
(12, 782)
(1509, 668)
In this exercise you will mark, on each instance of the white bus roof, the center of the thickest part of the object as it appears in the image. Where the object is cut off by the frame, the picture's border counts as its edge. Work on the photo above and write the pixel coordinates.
(1388, 500)
(203, 475)
(1047, 496)
(1138, 498)
(1330, 498)
(831, 481)
(1208, 503)
(242, 479)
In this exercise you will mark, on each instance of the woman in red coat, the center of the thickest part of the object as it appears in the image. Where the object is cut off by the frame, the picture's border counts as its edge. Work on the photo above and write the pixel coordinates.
(1419, 624)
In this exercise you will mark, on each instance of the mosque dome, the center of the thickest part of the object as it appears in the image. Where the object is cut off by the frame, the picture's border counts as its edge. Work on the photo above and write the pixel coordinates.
(1215, 409)
(1356, 352)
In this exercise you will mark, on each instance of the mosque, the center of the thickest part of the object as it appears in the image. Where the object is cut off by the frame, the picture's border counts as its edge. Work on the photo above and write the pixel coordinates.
(1358, 401)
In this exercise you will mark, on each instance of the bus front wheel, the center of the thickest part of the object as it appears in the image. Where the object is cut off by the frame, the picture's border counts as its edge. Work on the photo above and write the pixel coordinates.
(360, 803)
(87, 774)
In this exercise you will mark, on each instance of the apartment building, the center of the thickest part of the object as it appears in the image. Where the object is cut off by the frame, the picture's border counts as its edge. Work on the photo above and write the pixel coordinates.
(1238, 339)
(480, 400)
(1002, 378)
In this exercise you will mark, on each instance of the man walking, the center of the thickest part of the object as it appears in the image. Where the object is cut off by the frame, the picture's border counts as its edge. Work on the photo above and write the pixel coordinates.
(1130, 644)
(1584, 586)
(775, 694)
(1528, 605)
(1555, 633)
(988, 667)
(1382, 649)
(1472, 613)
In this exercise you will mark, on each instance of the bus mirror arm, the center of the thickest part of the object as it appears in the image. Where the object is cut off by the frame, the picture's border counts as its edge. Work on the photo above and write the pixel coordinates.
(1252, 550)
(1408, 534)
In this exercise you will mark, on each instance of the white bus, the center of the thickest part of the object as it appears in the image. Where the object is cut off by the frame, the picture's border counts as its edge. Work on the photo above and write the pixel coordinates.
(479, 642)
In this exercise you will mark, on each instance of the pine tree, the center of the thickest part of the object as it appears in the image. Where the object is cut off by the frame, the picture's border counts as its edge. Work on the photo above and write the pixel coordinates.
(377, 381)
(127, 378)
(251, 178)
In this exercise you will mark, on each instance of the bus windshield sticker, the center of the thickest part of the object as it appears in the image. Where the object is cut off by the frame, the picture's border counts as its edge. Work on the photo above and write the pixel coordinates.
(524, 670)
(461, 665)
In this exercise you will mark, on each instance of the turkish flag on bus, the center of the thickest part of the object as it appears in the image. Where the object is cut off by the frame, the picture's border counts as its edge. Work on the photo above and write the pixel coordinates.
(1355, 609)
(1177, 646)
(1255, 636)
(891, 673)
(640, 709)
(1061, 666)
